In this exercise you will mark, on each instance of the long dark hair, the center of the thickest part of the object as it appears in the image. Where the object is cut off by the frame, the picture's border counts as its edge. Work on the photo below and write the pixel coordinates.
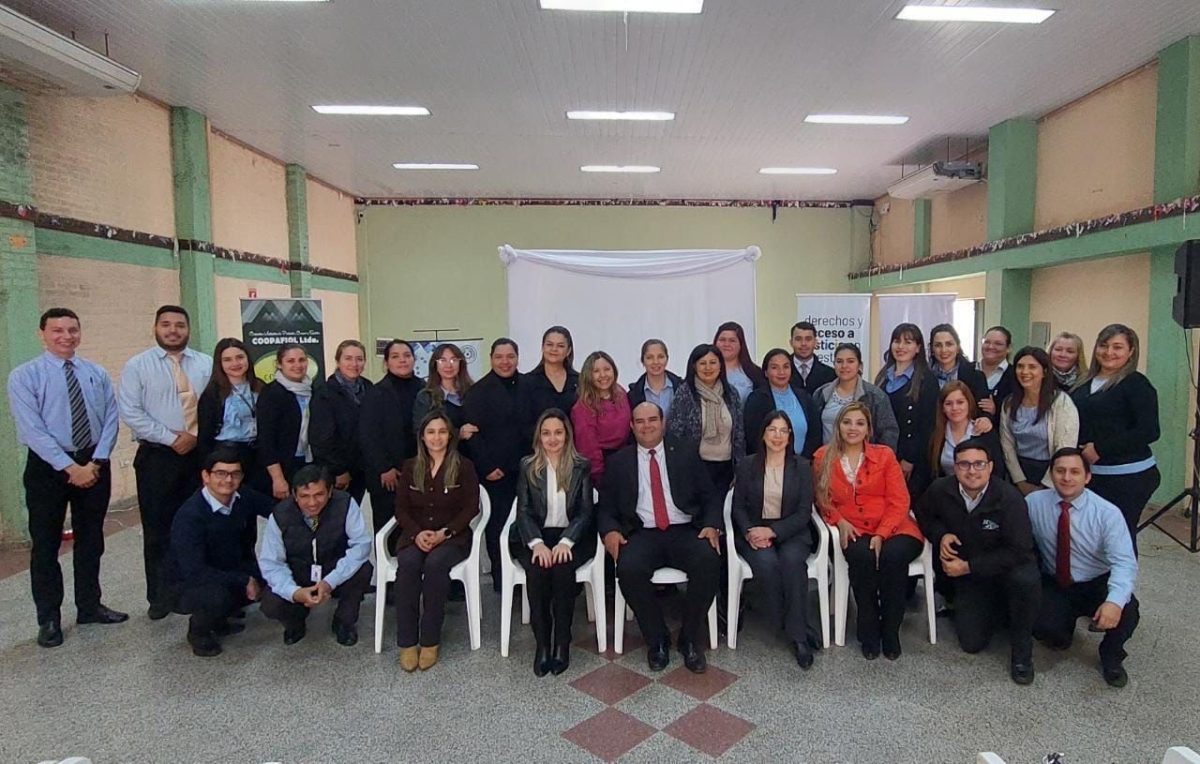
(219, 381)
(727, 391)
(433, 380)
(948, 329)
(771, 354)
(750, 368)
(1049, 390)
(569, 361)
(768, 420)
(387, 350)
(920, 367)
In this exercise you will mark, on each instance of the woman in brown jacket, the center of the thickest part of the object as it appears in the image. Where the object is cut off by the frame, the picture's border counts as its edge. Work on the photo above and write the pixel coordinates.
(436, 499)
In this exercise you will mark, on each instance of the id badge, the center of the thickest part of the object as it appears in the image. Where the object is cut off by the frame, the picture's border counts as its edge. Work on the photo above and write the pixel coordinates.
(315, 573)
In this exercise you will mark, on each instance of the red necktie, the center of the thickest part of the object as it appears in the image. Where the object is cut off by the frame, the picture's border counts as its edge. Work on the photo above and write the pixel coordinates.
(1062, 555)
(657, 496)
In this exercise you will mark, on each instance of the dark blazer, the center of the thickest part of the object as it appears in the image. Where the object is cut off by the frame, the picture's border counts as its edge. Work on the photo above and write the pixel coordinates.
(999, 394)
(1121, 420)
(818, 374)
(531, 504)
(279, 419)
(385, 426)
(916, 420)
(973, 378)
(796, 508)
(762, 402)
(996, 537)
(543, 396)
(502, 416)
(333, 426)
(437, 506)
(637, 391)
(210, 417)
(691, 489)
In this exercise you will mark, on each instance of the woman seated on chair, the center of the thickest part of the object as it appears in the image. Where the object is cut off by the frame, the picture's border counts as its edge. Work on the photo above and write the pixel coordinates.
(436, 499)
(772, 507)
(553, 534)
(860, 489)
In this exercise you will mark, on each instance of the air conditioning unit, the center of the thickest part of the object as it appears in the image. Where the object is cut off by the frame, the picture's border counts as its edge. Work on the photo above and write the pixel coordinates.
(938, 178)
(37, 58)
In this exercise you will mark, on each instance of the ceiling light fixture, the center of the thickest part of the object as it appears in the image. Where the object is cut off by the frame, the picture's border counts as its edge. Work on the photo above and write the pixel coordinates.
(974, 13)
(797, 171)
(377, 111)
(854, 119)
(634, 168)
(434, 166)
(626, 6)
(633, 116)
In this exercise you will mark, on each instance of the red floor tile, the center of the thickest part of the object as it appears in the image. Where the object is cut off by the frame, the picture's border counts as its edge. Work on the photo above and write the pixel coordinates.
(610, 683)
(609, 734)
(699, 686)
(587, 641)
(709, 730)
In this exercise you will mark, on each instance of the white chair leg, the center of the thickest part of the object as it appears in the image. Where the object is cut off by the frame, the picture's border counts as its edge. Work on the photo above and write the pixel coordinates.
(601, 613)
(930, 610)
(618, 620)
(506, 594)
(841, 600)
(731, 621)
(380, 603)
(473, 609)
(591, 605)
(525, 602)
(713, 640)
(823, 598)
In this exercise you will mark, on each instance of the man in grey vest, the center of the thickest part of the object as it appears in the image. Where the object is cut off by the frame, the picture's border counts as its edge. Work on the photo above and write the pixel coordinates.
(315, 545)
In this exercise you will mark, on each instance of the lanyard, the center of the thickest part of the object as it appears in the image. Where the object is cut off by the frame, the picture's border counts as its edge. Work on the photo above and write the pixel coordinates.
(250, 404)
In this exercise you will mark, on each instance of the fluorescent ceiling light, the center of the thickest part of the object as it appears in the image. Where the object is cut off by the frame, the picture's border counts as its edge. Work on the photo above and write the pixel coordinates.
(635, 116)
(636, 168)
(434, 166)
(629, 6)
(854, 119)
(382, 111)
(284, 1)
(974, 13)
(798, 171)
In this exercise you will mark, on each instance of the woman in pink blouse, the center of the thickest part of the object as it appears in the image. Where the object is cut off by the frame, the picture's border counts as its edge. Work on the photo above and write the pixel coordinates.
(601, 414)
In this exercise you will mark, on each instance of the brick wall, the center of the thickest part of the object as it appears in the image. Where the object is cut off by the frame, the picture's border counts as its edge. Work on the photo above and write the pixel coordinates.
(331, 229)
(230, 292)
(339, 313)
(249, 208)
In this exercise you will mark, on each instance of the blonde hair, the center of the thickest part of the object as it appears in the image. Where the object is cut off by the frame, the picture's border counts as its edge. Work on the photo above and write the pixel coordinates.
(423, 462)
(1081, 367)
(835, 449)
(589, 394)
(536, 464)
(1106, 334)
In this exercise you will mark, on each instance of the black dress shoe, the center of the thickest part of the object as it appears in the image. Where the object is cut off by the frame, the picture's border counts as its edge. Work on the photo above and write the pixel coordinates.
(293, 635)
(815, 642)
(562, 659)
(1022, 673)
(541, 661)
(659, 656)
(346, 634)
(891, 647)
(102, 615)
(870, 652)
(693, 658)
(50, 634)
(204, 645)
(804, 656)
(158, 612)
(225, 628)
(1115, 675)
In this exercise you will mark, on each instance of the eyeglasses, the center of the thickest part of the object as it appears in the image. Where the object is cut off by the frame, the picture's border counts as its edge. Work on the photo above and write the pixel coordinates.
(972, 466)
(778, 431)
(450, 360)
(227, 475)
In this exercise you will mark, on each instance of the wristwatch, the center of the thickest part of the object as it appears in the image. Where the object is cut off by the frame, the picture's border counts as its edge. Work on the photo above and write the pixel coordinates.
(447, 532)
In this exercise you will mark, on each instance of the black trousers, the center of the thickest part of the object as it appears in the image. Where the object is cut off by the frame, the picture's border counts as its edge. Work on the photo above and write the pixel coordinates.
(880, 591)
(1060, 608)
(1034, 469)
(981, 604)
(676, 547)
(358, 487)
(501, 493)
(165, 480)
(210, 604)
(424, 579)
(552, 590)
(255, 474)
(383, 506)
(47, 495)
(1130, 493)
(782, 572)
(349, 601)
(721, 475)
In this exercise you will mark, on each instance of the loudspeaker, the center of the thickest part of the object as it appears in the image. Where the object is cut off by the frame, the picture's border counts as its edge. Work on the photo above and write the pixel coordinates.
(1186, 306)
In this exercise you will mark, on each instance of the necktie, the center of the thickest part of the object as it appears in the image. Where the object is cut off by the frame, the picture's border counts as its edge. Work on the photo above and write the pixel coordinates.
(657, 496)
(81, 428)
(1062, 556)
(804, 371)
(187, 396)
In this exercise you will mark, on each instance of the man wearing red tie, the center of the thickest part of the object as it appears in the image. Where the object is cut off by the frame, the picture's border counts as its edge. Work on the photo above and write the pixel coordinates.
(1087, 561)
(658, 509)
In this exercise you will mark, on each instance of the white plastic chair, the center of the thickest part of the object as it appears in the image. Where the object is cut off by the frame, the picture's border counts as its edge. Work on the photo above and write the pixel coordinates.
(466, 571)
(369, 520)
(512, 575)
(922, 567)
(740, 572)
(661, 577)
(71, 760)
(988, 757)
(1181, 755)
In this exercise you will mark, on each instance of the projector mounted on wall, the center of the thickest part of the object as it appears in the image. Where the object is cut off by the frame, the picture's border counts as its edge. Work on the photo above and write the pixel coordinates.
(937, 178)
(36, 58)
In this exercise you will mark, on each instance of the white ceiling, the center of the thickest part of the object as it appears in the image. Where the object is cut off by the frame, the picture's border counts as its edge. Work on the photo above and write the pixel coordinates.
(498, 76)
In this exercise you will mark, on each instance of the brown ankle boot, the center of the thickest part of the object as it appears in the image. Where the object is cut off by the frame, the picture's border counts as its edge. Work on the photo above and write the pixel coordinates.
(428, 657)
(409, 658)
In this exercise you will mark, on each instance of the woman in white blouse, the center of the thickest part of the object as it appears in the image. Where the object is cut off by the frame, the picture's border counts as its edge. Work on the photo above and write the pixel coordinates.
(1037, 419)
(554, 533)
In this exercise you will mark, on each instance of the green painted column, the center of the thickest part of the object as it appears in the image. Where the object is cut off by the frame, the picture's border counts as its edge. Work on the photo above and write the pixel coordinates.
(1007, 302)
(297, 218)
(1176, 174)
(19, 308)
(922, 228)
(193, 222)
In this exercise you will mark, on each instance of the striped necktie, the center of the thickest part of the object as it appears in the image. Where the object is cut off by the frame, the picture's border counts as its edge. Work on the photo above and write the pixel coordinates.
(81, 428)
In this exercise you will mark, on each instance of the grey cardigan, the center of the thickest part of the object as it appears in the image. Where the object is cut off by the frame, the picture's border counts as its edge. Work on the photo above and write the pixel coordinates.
(685, 422)
(884, 430)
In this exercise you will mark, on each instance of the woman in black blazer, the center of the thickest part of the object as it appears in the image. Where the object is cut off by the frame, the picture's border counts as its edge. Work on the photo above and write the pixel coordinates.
(446, 387)
(913, 392)
(333, 426)
(772, 509)
(385, 428)
(1000, 377)
(226, 410)
(947, 362)
(553, 383)
(283, 415)
(781, 394)
(1118, 420)
(554, 533)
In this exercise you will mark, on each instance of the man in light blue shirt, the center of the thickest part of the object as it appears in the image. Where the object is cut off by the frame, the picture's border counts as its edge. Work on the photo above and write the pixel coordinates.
(66, 414)
(159, 395)
(316, 544)
(1087, 562)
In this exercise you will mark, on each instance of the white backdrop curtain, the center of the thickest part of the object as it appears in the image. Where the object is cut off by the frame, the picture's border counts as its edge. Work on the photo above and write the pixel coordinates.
(924, 310)
(615, 300)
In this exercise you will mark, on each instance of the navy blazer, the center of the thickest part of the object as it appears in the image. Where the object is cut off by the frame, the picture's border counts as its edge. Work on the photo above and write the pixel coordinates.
(691, 489)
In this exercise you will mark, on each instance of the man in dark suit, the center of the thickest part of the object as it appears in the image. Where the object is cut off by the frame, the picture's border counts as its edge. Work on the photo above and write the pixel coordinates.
(810, 372)
(658, 509)
(980, 528)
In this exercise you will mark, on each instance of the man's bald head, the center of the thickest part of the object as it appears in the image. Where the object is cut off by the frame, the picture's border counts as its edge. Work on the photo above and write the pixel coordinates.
(647, 424)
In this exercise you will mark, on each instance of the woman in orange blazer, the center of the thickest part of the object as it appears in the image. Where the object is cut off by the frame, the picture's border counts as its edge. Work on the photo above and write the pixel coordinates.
(860, 489)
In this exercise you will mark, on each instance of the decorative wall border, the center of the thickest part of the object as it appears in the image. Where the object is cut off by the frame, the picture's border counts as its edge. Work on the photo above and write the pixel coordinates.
(776, 204)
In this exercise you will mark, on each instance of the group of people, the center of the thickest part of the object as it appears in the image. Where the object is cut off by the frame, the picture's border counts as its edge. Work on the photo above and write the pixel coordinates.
(976, 458)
